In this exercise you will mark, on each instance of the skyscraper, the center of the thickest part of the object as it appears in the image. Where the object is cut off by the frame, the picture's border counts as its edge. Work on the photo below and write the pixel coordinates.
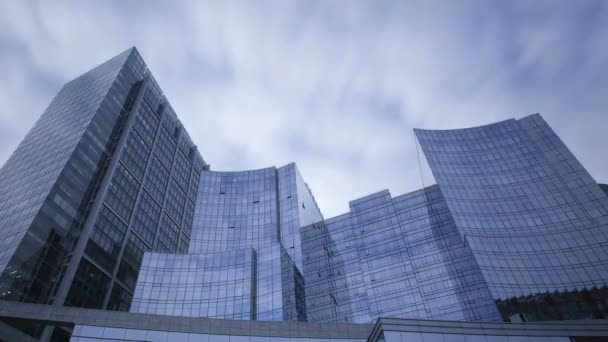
(534, 218)
(245, 258)
(108, 204)
(514, 229)
(106, 174)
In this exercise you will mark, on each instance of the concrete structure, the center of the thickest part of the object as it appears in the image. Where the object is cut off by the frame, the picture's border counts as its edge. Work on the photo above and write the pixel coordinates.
(98, 325)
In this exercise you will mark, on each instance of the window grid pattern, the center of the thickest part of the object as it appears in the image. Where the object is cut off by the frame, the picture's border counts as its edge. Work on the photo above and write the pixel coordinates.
(131, 261)
(181, 170)
(236, 210)
(89, 281)
(184, 244)
(146, 218)
(195, 177)
(165, 147)
(146, 123)
(120, 298)
(156, 179)
(439, 256)
(152, 229)
(88, 291)
(393, 257)
(122, 193)
(58, 176)
(145, 232)
(153, 96)
(169, 121)
(135, 154)
(335, 289)
(188, 218)
(196, 285)
(297, 209)
(167, 238)
(534, 218)
(90, 333)
(106, 241)
(28, 176)
(175, 201)
(185, 144)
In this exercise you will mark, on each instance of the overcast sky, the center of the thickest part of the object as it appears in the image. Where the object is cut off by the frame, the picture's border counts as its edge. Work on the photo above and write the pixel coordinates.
(336, 86)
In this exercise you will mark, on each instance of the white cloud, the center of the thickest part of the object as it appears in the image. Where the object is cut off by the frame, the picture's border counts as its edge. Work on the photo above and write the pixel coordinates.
(334, 86)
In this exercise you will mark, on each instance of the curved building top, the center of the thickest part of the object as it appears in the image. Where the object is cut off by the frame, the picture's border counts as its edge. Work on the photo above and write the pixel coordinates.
(252, 208)
(533, 216)
(513, 214)
(467, 129)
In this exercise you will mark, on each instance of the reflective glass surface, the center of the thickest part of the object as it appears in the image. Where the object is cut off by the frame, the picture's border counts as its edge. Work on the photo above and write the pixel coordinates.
(393, 257)
(238, 210)
(146, 197)
(111, 126)
(217, 285)
(89, 333)
(108, 179)
(50, 180)
(260, 211)
(535, 219)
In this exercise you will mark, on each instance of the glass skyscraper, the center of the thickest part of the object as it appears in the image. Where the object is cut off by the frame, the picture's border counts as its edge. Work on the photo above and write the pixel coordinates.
(108, 204)
(245, 258)
(534, 218)
(105, 175)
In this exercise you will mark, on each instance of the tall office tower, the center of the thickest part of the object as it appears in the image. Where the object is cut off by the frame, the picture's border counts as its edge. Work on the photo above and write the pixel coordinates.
(514, 229)
(535, 220)
(245, 258)
(107, 204)
(387, 257)
(106, 174)
(513, 218)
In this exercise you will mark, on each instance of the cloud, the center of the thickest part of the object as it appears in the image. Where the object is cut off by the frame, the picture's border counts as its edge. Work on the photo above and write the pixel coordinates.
(334, 86)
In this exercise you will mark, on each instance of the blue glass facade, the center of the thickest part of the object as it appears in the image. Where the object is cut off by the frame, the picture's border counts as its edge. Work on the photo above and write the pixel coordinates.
(498, 225)
(54, 173)
(146, 204)
(534, 218)
(513, 215)
(220, 285)
(108, 204)
(393, 257)
(109, 173)
(258, 210)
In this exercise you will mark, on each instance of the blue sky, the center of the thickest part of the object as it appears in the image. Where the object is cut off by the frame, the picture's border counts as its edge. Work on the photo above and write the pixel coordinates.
(336, 86)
